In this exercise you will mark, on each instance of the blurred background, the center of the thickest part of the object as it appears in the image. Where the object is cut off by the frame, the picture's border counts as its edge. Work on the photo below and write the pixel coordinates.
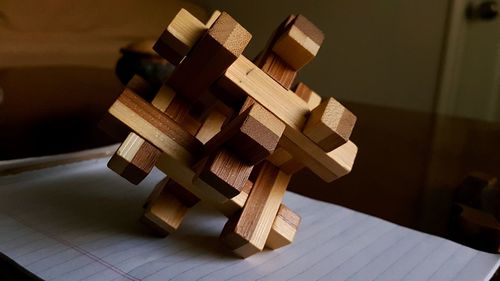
(423, 77)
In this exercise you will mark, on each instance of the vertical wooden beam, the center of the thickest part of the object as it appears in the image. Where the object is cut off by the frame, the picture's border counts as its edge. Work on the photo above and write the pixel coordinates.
(246, 233)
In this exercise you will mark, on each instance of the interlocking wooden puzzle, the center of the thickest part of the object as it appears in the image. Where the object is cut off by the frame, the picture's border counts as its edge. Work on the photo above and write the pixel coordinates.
(231, 131)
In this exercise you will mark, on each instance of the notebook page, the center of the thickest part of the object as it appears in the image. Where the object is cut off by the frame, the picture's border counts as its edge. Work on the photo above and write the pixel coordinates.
(80, 222)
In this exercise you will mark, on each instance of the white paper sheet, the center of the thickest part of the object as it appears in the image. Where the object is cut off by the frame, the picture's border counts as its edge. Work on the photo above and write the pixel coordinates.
(80, 222)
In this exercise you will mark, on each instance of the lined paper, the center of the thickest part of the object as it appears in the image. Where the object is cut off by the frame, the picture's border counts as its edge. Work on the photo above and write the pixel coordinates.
(80, 222)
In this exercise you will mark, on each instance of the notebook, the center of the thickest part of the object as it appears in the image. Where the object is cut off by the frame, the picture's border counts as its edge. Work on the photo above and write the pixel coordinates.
(80, 222)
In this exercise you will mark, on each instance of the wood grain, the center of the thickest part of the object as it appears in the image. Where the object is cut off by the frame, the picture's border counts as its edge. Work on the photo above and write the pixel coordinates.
(246, 79)
(224, 171)
(210, 57)
(308, 95)
(134, 159)
(179, 37)
(277, 69)
(284, 228)
(246, 233)
(155, 127)
(330, 125)
(300, 43)
(252, 135)
(165, 209)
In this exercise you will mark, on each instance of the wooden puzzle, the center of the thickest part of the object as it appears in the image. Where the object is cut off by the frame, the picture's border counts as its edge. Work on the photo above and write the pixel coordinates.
(231, 131)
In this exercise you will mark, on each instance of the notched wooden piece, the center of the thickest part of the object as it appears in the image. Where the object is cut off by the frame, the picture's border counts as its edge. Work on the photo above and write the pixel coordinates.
(330, 125)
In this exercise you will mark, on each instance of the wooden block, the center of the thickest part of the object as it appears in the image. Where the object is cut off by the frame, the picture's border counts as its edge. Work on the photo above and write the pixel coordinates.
(213, 54)
(155, 127)
(292, 166)
(235, 204)
(179, 110)
(166, 210)
(134, 159)
(274, 65)
(328, 166)
(300, 43)
(279, 157)
(224, 171)
(179, 37)
(246, 233)
(215, 15)
(284, 228)
(186, 177)
(113, 126)
(163, 98)
(309, 96)
(330, 125)
(185, 196)
(156, 191)
(278, 69)
(246, 79)
(211, 126)
(253, 135)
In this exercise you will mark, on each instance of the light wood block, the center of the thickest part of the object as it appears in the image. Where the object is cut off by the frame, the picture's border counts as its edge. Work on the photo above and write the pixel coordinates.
(134, 159)
(156, 191)
(235, 204)
(222, 44)
(166, 210)
(163, 98)
(179, 37)
(300, 43)
(211, 126)
(328, 166)
(186, 177)
(330, 125)
(246, 79)
(284, 228)
(246, 233)
(155, 127)
(308, 95)
(279, 157)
